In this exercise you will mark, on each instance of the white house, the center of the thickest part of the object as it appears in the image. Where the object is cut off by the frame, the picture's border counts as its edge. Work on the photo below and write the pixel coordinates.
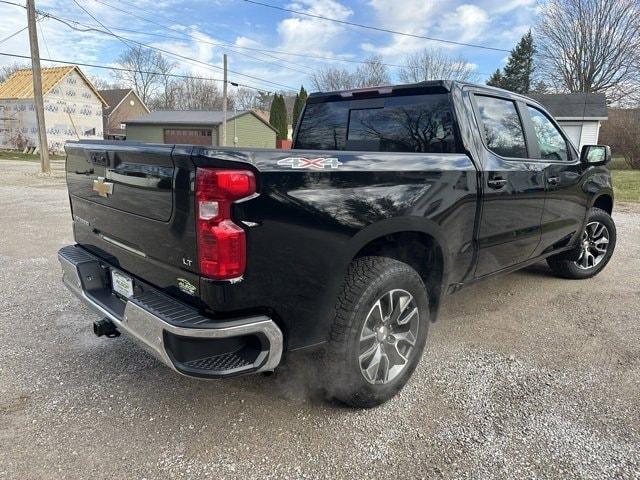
(579, 114)
(72, 108)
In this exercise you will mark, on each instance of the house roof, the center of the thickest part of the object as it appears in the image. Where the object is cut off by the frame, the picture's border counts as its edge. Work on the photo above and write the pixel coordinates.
(20, 84)
(190, 117)
(574, 106)
(115, 96)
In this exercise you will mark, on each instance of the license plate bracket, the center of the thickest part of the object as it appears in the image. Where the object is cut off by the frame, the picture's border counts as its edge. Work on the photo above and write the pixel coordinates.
(121, 284)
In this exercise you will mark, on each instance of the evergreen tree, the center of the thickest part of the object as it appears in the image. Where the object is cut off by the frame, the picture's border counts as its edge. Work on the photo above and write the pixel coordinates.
(278, 116)
(518, 73)
(273, 111)
(283, 128)
(301, 99)
(496, 79)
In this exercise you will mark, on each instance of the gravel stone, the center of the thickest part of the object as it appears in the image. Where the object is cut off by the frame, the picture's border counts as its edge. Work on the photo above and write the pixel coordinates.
(524, 376)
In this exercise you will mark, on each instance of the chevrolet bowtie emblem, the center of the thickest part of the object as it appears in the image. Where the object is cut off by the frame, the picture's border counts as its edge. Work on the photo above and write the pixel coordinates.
(103, 188)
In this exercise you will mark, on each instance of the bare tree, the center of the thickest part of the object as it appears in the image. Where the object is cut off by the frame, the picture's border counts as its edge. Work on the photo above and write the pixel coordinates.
(431, 64)
(101, 83)
(328, 79)
(247, 99)
(144, 74)
(590, 46)
(371, 73)
(198, 94)
(621, 132)
(7, 70)
(165, 67)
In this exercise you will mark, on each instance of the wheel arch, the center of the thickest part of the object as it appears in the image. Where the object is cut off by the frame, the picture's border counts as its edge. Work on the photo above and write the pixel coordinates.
(604, 201)
(416, 242)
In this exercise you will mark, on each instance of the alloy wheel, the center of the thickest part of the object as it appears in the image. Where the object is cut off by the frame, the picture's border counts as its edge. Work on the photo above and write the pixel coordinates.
(388, 336)
(594, 246)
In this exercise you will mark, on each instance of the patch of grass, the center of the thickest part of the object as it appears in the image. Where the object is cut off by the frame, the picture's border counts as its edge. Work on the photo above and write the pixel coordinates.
(626, 185)
(618, 163)
(16, 155)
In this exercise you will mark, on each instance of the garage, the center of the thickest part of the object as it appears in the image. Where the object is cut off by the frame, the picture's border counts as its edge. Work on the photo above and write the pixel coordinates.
(188, 127)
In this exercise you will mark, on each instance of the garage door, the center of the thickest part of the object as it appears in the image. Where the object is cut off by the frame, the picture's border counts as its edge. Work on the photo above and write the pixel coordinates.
(189, 136)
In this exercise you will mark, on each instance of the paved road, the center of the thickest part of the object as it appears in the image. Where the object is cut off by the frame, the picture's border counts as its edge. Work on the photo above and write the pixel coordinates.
(525, 376)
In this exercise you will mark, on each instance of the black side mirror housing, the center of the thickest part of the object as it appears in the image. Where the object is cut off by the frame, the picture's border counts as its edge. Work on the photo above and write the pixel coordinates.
(593, 155)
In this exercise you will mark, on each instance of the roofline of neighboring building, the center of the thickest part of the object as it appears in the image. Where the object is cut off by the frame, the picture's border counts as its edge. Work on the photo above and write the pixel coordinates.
(73, 67)
(88, 82)
(198, 123)
(581, 119)
(131, 90)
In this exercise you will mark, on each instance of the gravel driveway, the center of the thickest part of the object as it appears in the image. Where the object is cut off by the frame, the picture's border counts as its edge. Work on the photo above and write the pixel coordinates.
(525, 376)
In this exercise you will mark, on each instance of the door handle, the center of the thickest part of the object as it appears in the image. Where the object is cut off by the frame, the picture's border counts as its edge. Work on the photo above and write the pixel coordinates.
(496, 183)
(553, 180)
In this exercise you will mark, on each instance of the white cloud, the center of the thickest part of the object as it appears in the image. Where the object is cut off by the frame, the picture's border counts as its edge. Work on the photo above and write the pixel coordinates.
(465, 24)
(316, 36)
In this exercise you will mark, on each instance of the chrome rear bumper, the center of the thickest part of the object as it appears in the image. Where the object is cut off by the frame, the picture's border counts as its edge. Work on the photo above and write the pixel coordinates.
(167, 328)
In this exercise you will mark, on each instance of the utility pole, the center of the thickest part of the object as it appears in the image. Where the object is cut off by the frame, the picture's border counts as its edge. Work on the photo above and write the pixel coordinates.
(224, 103)
(37, 87)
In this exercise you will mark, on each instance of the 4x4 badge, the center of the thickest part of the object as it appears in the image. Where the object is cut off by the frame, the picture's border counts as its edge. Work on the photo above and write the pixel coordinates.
(317, 163)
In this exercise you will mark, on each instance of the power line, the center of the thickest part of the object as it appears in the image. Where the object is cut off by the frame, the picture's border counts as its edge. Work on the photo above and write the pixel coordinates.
(378, 29)
(122, 69)
(13, 35)
(44, 40)
(255, 49)
(125, 39)
(153, 34)
(167, 52)
(228, 46)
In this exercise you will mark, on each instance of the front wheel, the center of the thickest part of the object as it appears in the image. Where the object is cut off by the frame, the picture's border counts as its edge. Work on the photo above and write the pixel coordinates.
(378, 333)
(595, 250)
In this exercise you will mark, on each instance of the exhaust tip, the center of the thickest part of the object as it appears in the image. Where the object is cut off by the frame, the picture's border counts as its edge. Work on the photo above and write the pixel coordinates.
(105, 327)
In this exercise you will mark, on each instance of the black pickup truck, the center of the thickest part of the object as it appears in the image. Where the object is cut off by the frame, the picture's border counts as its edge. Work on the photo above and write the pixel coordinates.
(221, 261)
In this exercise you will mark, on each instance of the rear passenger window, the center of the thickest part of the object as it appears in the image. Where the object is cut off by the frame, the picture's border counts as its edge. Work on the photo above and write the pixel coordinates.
(412, 123)
(406, 124)
(503, 131)
(551, 142)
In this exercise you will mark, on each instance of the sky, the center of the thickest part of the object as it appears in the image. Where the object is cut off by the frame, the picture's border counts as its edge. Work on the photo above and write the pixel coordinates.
(203, 30)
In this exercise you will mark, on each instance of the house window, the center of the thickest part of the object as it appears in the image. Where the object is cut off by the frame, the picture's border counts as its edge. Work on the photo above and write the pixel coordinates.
(90, 132)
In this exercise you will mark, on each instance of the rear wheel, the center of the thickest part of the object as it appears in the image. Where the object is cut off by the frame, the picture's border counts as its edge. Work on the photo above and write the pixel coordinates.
(379, 331)
(595, 250)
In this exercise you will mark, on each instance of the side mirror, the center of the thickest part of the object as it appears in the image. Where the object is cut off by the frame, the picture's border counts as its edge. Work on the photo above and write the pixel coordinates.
(595, 154)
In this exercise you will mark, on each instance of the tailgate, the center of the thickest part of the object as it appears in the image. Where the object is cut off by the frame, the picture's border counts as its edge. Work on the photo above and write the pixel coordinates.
(132, 205)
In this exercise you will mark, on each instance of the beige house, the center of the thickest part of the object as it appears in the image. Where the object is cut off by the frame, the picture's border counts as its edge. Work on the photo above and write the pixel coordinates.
(72, 108)
(244, 129)
(124, 105)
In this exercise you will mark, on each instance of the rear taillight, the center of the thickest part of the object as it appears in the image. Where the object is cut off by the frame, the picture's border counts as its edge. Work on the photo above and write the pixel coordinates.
(221, 243)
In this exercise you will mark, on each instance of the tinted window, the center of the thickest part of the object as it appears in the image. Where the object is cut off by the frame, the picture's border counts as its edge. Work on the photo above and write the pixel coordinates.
(421, 123)
(502, 127)
(405, 124)
(324, 126)
(551, 142)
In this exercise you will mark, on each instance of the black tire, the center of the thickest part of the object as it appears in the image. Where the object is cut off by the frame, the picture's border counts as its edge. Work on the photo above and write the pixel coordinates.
(368, 280)
(568, 265)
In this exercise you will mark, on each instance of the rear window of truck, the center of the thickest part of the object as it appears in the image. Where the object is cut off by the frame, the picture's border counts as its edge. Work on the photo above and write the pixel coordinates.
(415, 123)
